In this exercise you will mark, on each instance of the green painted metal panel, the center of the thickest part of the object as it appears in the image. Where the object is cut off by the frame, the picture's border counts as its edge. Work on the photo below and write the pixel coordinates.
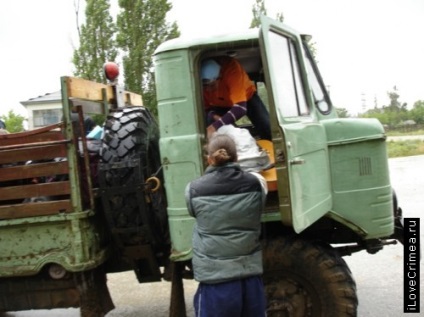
(309, 173)
(70, 240)
(350, 130)
(72, 150)
(362, 194)
(180, 141)
(303, 135)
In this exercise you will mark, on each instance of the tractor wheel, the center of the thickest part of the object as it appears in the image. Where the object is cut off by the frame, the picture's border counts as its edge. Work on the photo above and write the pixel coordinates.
(131, 133)
(303, 279)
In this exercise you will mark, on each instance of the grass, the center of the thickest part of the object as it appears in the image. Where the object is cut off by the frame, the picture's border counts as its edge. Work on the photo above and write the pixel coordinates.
(405, 148)
(403, 133)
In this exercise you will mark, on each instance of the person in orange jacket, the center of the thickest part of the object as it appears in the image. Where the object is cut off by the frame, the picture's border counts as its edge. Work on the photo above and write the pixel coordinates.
(229, 94)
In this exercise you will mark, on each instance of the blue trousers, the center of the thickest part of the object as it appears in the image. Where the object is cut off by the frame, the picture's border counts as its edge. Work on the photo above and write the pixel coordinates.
(239, 298)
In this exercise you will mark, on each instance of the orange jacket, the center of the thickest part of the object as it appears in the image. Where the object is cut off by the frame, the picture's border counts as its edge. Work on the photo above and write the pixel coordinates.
(232, 86)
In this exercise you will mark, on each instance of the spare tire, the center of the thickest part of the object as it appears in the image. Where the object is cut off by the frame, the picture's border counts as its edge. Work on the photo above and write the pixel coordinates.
(130, 155)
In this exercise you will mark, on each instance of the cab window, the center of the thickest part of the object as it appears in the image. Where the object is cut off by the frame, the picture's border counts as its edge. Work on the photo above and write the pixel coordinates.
(320, 95)
(287, 85)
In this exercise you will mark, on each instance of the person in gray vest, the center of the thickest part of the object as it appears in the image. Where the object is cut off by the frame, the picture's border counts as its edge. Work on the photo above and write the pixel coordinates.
(227, 259)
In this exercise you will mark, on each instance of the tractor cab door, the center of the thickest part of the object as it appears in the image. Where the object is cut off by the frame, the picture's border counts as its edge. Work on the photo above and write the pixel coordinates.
(298, 136)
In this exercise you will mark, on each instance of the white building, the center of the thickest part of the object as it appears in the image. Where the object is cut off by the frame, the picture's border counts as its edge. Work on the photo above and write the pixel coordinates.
(44, 110)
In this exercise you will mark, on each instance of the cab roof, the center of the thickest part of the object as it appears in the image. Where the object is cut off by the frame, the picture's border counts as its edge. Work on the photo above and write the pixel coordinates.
(186, 42)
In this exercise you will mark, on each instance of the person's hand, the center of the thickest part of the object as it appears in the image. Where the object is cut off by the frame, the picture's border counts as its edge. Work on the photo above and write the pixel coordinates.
(216, 117)
(210, 130)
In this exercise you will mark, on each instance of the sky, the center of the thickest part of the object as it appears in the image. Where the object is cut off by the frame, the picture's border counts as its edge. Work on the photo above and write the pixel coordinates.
(364, 47)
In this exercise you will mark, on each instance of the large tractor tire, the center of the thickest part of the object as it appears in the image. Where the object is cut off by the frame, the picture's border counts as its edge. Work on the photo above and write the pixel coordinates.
(303, 279)
(131, 180)
(133, 195)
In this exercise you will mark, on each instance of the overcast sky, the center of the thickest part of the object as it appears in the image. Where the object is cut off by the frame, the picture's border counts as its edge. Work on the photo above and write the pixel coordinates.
(364, 47)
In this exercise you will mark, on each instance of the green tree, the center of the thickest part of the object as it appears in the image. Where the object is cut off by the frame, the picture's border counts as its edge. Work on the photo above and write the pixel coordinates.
(417, 112)
(97, 41)
(280, 17)
(259, 9)
(391, 115)
(142, 27)
(342, 112)
(396, 111)
(395, 104)
(14, 122)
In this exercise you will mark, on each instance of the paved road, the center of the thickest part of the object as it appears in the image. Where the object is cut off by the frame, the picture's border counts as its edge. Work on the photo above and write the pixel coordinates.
(379, 277)
(406, 137)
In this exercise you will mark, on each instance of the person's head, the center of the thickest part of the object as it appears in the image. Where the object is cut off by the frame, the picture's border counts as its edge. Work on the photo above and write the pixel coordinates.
(221, 150)
(209, 71)
(89, 124)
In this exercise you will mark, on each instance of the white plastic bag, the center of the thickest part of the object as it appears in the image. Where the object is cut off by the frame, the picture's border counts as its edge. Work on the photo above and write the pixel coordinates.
(250, 157)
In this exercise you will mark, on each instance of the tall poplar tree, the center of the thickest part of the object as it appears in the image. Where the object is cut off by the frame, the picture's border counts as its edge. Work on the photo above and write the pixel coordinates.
(97, 41)
(258, 9)
(142, 27)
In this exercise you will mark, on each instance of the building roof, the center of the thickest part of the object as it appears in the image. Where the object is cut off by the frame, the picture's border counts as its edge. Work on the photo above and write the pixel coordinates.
(47, 98)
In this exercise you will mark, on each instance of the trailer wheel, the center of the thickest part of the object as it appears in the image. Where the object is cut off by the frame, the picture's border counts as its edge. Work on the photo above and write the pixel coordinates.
(303, 279)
